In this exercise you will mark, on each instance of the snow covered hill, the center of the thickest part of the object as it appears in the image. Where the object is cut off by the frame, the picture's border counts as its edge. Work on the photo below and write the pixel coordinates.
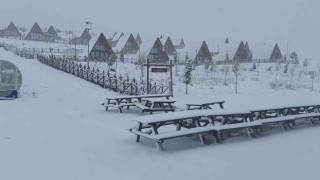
(57, 129)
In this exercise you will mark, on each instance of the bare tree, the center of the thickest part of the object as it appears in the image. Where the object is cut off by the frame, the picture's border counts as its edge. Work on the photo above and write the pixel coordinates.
(214, 69)
(292, 70)
(236, 71)
(313, 75)
(206, 65)
(305, 64)
(140, 64)
(277, 69)
(226, 70)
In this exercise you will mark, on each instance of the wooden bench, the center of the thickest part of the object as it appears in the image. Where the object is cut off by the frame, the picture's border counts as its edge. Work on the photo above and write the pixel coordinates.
(142, 107)
(120, 107)
(287, 122)
(214, 130)
(199, 106)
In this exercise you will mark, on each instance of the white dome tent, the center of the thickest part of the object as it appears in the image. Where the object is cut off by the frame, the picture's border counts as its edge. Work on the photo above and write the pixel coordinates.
(10, 79)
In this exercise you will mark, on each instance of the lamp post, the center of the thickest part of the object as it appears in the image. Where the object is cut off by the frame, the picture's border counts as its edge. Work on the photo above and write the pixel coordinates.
(88, 27)
(288, 51)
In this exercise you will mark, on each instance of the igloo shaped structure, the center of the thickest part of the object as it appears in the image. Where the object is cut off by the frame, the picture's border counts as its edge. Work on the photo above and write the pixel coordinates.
(10, 79)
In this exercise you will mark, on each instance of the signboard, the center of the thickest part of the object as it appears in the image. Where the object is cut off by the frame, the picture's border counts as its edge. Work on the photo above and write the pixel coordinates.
(159, 70)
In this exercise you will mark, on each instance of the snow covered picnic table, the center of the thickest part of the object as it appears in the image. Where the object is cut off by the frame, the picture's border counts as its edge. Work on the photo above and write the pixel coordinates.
(126, 101)
(202, 122)
(204, 105)
(283, 111)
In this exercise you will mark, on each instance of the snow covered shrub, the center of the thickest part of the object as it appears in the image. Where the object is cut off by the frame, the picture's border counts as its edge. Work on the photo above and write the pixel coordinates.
(276, 85)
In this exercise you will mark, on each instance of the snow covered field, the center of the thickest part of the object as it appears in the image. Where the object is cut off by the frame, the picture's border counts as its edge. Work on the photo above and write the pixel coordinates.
(57, 129)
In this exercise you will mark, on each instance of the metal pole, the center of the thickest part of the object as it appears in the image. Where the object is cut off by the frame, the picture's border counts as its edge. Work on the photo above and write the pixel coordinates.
(148, 75)
(171, 79)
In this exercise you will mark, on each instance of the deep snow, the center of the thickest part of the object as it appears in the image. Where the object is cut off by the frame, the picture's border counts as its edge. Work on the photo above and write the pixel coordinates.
(57, 129)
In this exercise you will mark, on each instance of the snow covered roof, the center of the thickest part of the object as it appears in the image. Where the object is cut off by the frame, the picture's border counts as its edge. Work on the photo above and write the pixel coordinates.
(52, 31)
(36, 29)
(12, 28)
(121, 42)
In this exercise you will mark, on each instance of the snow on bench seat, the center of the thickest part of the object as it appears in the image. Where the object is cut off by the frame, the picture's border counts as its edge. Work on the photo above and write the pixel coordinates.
(288, 118)
(238, 125)
(180, 115)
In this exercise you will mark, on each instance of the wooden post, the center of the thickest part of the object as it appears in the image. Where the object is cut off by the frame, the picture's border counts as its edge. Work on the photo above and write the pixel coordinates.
(148, 66)
(171, 79)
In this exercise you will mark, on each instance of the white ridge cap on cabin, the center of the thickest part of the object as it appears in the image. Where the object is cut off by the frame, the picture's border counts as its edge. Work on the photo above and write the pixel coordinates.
(120, 44)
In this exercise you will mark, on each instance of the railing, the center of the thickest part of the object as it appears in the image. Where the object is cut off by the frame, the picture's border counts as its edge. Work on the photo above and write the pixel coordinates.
(102, 78)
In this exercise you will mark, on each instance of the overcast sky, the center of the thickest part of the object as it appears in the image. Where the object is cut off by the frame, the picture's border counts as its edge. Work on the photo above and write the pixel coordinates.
(296, 21)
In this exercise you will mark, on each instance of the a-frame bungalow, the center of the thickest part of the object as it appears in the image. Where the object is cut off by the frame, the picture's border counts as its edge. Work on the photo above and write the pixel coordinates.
(102, 51)
(157, 53)
(131, 46)
(138, 39)
(276, 55)
(181, 45)
(203, 54)
(241, 53)
(248, 51)
(169, 47)
(51, 35)
(35, 34)
(11, 31)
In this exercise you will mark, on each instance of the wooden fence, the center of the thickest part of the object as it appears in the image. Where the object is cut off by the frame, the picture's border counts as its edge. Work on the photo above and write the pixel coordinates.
(104, 79)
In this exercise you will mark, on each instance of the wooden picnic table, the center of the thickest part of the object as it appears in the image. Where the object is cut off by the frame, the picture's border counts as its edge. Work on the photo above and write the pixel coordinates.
(148, 126)
(284, 111)
(159, 105)
(127, 101)
(205, 105)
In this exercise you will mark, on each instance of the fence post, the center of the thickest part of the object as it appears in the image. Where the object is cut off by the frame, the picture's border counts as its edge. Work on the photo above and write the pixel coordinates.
(103, 79)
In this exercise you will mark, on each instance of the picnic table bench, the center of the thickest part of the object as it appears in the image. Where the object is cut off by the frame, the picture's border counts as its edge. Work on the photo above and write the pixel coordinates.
(286, 122)
(128, 101)
(178, 119)
(283, 111)
(206, 105)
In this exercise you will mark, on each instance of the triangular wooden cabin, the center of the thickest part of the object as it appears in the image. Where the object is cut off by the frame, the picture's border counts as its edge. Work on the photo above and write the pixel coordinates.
(241, 53)
(276, 55)
(248, 51)
(181, 45)
(131, 46)
(115, 40)
(227, 41)
(35, 34)
(157, 53)
(169, 47)
(203, 54)
(11, 31)
(138, 39)
(85, 34)
(102, 51)
(52, 35)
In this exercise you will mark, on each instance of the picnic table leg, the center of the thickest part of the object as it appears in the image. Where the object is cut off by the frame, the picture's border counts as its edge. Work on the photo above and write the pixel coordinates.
(158, 144)
(221, 105)
(139, 129)
(200, 135)
(118, 103)
(107, 104)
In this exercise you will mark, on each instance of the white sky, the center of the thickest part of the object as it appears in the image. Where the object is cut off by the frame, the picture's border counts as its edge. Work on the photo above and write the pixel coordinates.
(295, 21)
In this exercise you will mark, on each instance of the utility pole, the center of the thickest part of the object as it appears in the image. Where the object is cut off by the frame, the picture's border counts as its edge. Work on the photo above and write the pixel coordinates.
(75, 46)
(88, 27)
(288, 51)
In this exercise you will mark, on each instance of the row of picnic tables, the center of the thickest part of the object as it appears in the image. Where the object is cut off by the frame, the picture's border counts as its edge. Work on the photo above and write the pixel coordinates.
(153, 103)
(215, 122)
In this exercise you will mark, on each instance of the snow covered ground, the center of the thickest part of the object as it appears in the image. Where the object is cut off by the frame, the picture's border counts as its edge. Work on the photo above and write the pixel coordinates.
(57, 129)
